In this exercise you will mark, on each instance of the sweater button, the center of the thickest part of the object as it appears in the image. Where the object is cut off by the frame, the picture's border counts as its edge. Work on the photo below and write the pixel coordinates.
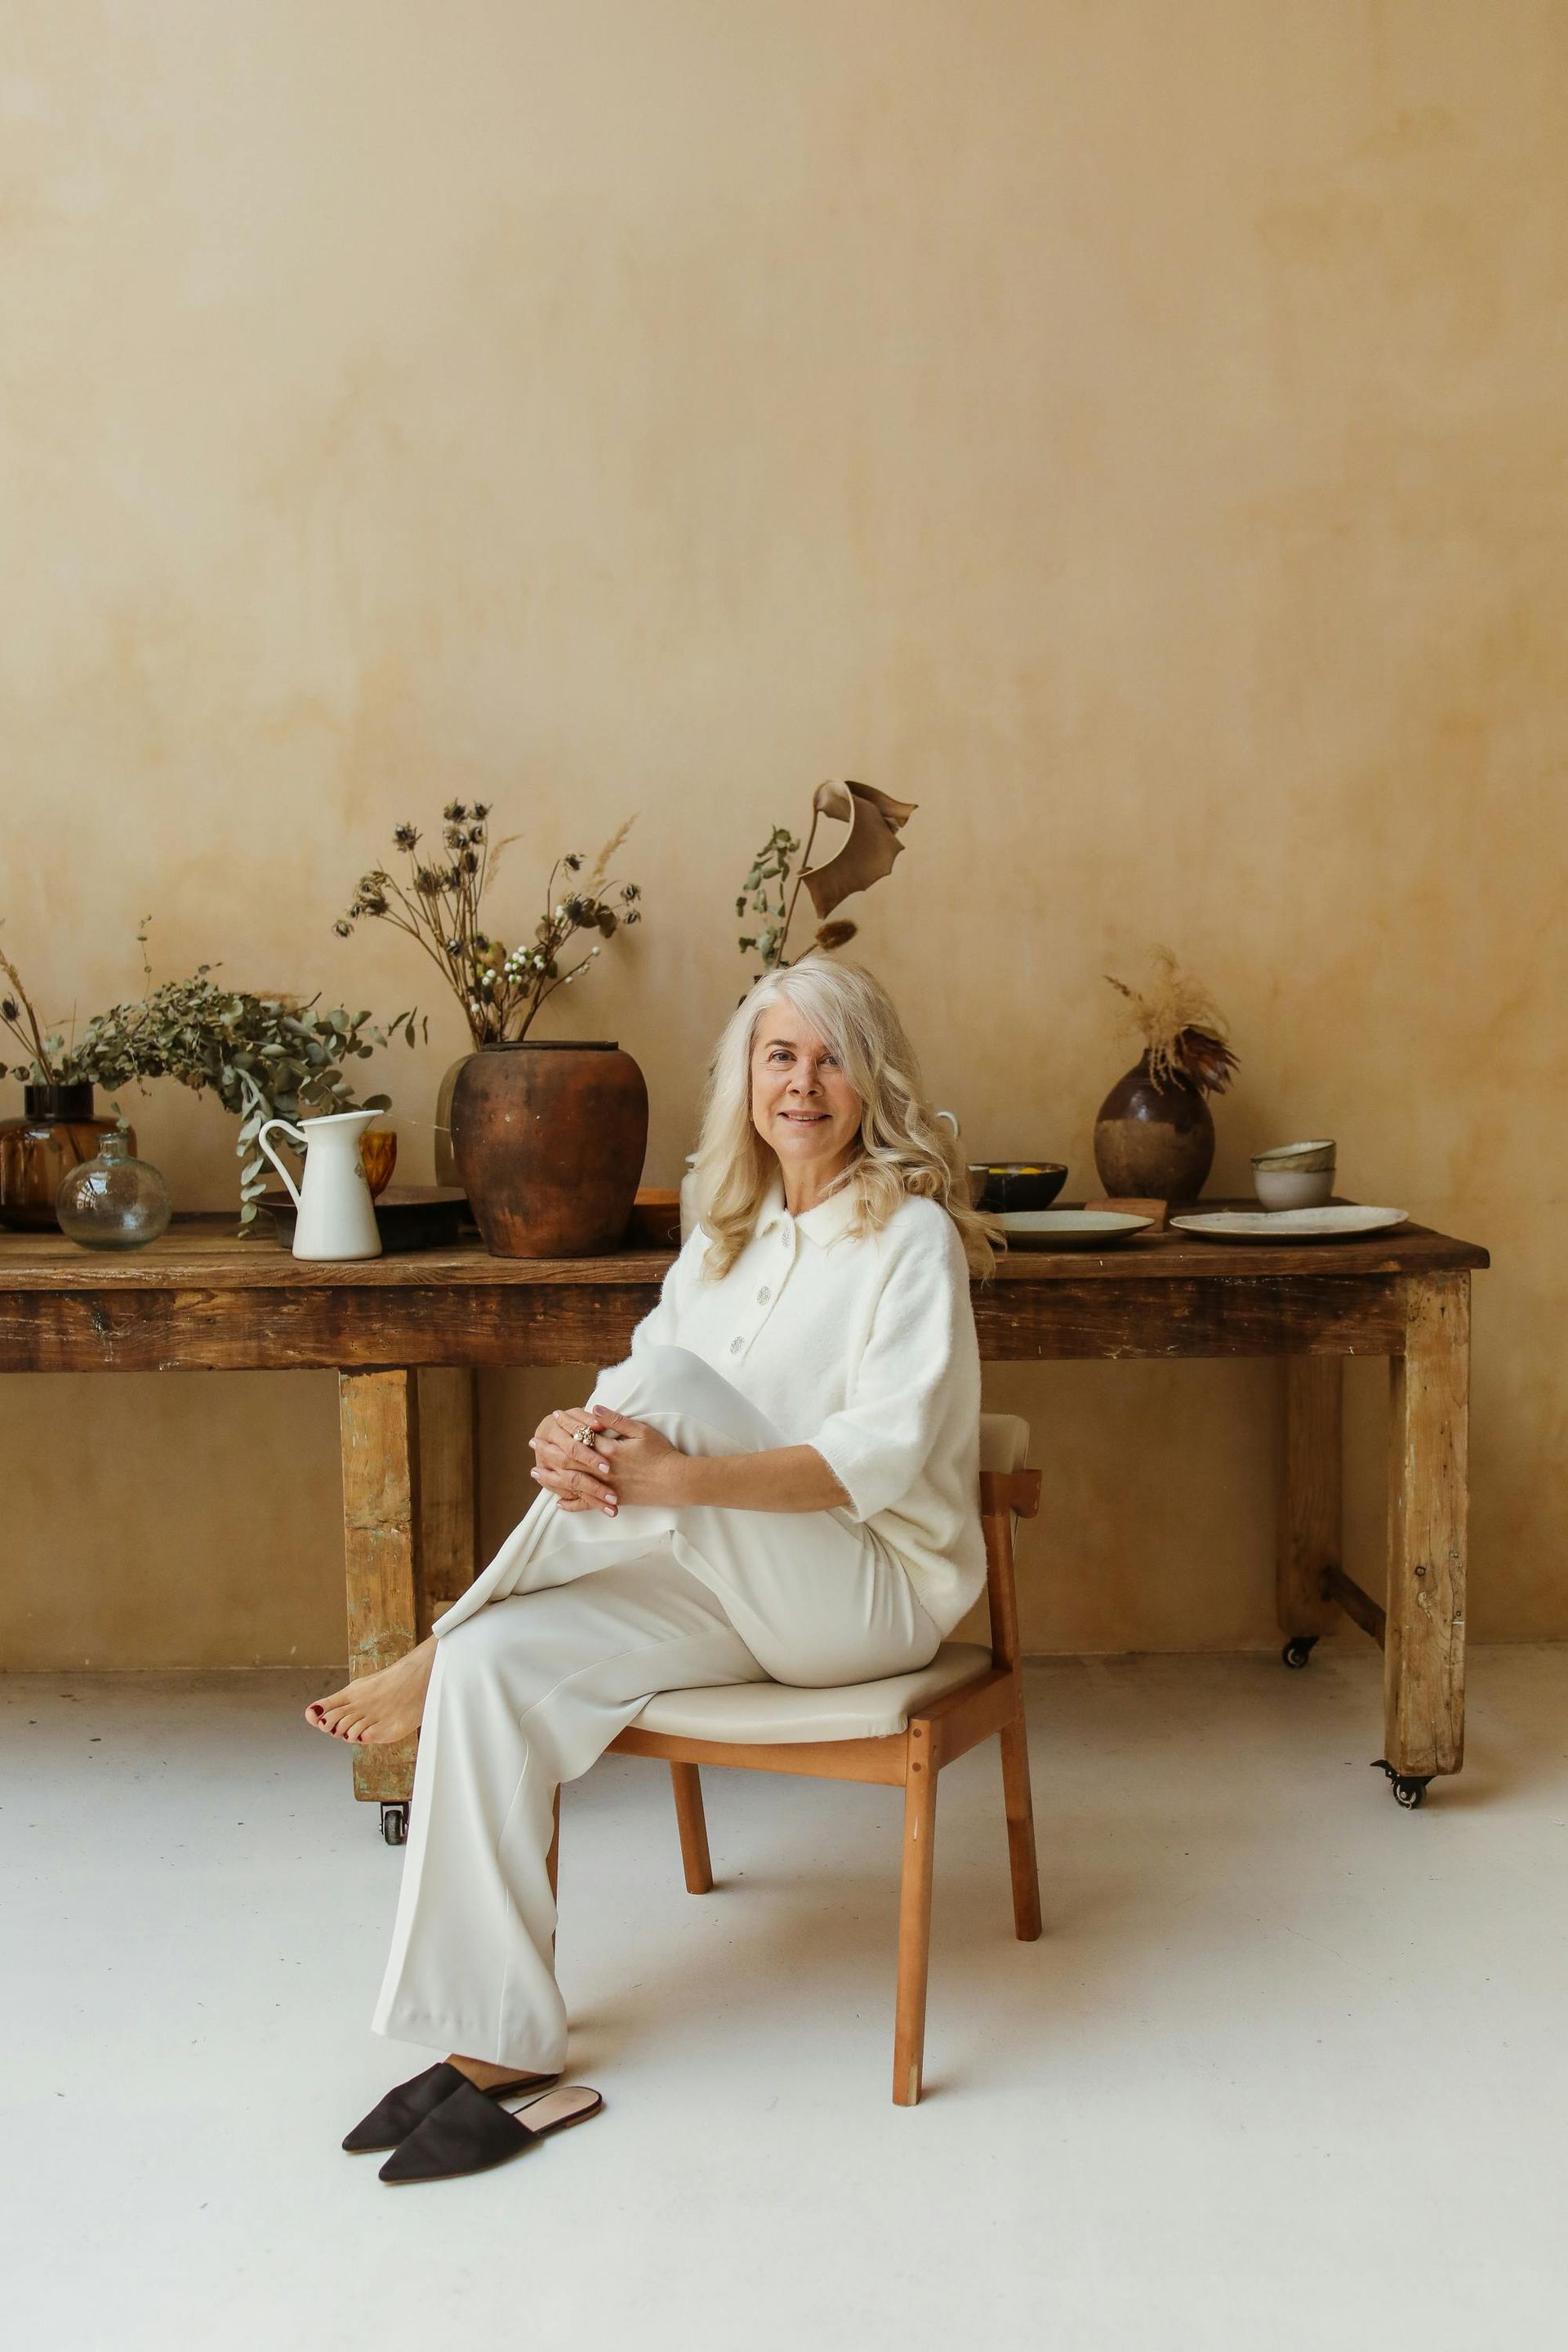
(763, 1295)
(736, 1346)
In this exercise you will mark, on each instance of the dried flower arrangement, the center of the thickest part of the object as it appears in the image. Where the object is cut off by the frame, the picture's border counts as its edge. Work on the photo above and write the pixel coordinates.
(874, 820)
(501, 990)
(263, 1056)
(50, 1061)
(1186, 1035)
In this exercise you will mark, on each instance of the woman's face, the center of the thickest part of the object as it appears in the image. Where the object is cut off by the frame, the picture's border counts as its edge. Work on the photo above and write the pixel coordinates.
(802, 1103)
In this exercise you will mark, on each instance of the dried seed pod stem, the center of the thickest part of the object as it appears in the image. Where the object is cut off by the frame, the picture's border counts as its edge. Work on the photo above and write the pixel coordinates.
(501, 990)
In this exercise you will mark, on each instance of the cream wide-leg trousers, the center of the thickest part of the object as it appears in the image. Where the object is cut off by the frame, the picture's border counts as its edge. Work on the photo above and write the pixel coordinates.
(554, 1650)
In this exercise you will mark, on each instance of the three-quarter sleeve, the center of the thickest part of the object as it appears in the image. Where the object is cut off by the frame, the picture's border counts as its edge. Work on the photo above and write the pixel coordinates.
(916, 1374)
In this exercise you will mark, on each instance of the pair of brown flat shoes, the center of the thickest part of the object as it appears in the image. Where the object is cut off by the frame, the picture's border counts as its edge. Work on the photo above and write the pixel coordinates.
(440, 2126)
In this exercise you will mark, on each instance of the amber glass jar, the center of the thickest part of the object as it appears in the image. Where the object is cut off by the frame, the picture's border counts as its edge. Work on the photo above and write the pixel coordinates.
(57, 1130)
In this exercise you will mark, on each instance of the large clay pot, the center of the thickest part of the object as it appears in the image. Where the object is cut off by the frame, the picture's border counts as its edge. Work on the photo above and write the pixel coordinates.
(549, 1139)
(1154, 1140)
(56, 1132)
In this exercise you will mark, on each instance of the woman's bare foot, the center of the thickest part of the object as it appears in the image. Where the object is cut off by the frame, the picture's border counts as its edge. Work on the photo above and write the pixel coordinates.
(484, 2076)
(376, 1710)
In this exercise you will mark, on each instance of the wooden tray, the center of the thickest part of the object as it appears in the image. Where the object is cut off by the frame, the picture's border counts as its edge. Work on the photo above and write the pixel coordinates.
(410, 1217)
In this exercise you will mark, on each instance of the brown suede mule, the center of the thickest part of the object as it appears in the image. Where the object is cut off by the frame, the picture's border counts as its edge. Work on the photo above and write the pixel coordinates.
(469, 2133)
(406, 2106)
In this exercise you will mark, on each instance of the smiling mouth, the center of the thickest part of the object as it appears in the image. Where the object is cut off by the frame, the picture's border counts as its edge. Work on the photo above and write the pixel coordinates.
(805, 1118)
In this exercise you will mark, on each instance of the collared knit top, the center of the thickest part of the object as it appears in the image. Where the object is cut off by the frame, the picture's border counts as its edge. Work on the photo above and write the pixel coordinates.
(864, 1350)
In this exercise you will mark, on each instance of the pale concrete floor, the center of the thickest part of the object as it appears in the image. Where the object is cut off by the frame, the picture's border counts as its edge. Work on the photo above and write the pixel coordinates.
(1286, 2074)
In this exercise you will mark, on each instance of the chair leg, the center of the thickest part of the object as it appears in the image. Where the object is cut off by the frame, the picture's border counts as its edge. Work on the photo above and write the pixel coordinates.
(692, 1823)
(1020, 1804)
(914, 1916)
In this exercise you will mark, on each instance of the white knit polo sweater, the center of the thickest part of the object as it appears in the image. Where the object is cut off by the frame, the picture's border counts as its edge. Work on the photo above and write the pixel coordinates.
(864, 1350)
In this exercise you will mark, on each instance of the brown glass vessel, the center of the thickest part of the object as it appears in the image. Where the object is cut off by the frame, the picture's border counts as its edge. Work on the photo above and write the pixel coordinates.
(58, 1130)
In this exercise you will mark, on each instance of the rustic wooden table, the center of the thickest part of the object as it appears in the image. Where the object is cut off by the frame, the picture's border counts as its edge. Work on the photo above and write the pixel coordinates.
(406, 1336)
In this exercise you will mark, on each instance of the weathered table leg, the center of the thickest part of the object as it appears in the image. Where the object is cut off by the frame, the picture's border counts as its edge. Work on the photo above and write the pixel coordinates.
(1428, 1480)
(378, 1415)
(1311, 1508)
(410, 1529)
(448, 1488)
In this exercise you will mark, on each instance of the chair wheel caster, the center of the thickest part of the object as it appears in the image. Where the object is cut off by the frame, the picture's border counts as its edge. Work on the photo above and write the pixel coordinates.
(1409, 1788)
(1298, 1649)
(394, 1825)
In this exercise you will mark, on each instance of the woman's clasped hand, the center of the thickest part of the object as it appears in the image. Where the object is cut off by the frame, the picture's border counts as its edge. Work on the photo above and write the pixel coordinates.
(636, 1463)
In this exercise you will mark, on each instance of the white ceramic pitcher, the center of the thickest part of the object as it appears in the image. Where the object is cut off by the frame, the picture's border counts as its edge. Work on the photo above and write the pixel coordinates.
(337, 1218)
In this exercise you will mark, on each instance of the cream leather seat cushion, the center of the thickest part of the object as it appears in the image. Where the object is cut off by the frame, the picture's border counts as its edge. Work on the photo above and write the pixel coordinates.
(763, 1713)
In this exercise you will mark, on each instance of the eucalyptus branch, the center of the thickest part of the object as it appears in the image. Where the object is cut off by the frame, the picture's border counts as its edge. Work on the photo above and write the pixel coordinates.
(263, 1056)
(801, 873)
(770, 864)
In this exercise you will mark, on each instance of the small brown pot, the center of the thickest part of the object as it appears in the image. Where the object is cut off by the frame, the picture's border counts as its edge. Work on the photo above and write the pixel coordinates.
(58, 1131)
(550, 1140)
(1154, 1140)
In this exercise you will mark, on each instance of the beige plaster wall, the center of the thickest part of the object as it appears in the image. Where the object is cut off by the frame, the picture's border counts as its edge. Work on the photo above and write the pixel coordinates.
(1134, 432)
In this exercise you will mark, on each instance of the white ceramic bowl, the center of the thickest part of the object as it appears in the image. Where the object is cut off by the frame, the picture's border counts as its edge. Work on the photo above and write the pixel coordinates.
(1293, 1188)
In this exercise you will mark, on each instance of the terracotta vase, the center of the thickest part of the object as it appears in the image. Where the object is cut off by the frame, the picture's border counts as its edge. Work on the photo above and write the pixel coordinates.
(58, 1130)
(550, 1140)
(1153, 1139)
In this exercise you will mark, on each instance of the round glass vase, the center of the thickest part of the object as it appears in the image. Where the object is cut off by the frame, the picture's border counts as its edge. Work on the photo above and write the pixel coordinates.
(115, 1201)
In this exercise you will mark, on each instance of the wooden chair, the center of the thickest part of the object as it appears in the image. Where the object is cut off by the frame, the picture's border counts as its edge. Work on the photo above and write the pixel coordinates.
(899, 1732)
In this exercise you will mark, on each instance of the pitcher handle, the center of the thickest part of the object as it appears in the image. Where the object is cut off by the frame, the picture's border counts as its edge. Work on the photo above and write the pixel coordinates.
(262, 1144)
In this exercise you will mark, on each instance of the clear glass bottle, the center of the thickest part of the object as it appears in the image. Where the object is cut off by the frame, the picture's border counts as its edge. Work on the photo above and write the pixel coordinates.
(115, 1201)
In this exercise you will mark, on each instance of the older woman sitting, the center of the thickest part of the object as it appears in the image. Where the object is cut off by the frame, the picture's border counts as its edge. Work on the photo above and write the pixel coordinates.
(780, 1482)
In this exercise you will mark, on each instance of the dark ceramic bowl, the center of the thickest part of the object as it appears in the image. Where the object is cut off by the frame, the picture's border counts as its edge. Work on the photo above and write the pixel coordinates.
(1002, 1185)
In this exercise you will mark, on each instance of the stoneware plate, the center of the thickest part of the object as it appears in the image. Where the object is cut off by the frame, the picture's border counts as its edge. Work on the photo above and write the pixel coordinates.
(1340, 1225)
(1051, 1229)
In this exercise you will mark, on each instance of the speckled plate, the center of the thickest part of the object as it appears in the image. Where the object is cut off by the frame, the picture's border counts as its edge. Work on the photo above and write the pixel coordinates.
(1343, 1223)
(1052, 1229)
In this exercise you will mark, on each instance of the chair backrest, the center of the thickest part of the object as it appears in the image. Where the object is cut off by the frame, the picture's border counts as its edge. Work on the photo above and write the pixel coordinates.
(1008, 1492)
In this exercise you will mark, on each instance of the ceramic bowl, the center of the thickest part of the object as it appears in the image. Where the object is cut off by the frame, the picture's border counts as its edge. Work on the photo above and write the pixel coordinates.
(1000, 1185)
(1320, 1154)
(1292, 1188)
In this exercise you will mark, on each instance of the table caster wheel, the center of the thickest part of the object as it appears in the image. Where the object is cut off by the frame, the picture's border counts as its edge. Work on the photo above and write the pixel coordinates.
(1409, 1788)
(394, 1825)
(1298, 1649)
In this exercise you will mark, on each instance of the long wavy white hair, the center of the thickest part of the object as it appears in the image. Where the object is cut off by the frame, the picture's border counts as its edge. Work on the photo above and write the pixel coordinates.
(902, 1146)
